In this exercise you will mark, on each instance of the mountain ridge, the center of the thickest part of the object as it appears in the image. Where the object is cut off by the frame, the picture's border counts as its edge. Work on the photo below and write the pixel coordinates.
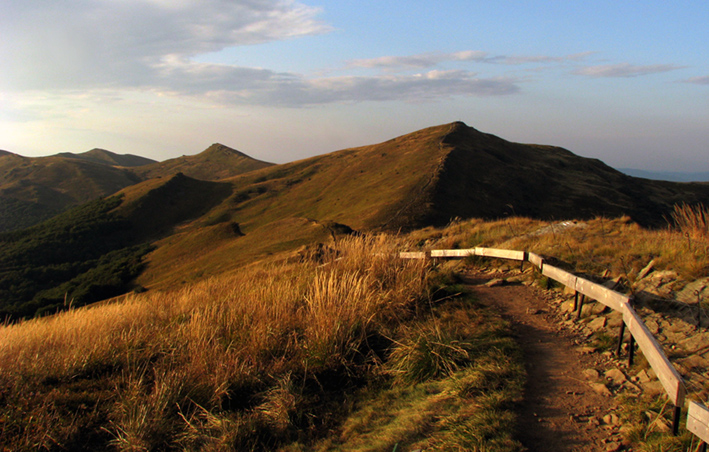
(33, 189)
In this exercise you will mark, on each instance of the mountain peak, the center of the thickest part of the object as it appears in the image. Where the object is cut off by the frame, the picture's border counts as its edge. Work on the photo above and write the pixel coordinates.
(220, 149)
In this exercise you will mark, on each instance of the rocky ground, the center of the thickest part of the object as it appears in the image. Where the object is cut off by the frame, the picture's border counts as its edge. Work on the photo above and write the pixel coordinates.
(576, 378)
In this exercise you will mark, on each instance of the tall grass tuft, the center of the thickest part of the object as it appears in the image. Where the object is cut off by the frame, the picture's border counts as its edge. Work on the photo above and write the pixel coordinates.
(692, 220)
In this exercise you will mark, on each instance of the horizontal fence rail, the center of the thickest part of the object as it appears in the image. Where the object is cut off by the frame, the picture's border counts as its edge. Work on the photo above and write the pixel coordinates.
(672, 382)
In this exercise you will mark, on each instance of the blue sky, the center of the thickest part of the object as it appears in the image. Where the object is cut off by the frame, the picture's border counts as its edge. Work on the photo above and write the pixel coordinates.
(625, 82)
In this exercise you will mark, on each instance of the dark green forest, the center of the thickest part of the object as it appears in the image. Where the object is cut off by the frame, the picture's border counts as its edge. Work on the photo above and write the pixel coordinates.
(83, 255)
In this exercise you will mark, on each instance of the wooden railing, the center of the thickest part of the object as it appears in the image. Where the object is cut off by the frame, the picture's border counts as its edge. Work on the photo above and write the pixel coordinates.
(672, 382)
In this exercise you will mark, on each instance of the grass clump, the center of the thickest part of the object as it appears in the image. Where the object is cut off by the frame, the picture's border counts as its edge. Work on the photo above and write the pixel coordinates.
(647, 424)
(456, 379)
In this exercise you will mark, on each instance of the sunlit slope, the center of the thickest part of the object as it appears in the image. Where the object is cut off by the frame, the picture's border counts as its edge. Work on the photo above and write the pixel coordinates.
(383, 186)
(34, 189)
(214, 163)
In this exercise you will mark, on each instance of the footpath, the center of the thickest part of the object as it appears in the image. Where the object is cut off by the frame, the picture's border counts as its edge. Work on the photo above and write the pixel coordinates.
(570, 401)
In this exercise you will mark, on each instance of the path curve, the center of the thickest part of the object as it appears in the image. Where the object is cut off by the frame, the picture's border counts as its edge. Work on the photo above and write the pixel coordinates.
(560, 410)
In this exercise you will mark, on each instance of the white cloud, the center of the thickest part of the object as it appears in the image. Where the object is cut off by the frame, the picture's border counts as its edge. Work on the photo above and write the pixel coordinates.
(625, 70)
(104, 43)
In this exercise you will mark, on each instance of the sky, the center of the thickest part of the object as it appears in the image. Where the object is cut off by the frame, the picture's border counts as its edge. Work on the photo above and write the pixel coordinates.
(626, 82)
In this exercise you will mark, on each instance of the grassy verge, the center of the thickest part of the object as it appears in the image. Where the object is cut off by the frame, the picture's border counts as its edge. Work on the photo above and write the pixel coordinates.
(273, 358)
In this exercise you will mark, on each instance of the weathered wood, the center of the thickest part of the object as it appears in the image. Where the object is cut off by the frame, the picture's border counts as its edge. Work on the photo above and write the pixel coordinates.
(698, 420)
(603, 295)
(536, 260)
(666, 373)
(557, 274)
(453, 253)
(412, 255)
(502, 254)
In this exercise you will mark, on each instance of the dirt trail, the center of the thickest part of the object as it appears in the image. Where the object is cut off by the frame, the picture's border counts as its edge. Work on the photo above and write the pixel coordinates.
(560, 411)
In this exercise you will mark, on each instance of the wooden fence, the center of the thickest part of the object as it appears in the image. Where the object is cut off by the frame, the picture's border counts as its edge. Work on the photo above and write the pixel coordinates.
(672, 382)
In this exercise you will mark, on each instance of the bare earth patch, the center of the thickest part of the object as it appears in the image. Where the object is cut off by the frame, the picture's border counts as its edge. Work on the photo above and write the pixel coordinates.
(564, 408)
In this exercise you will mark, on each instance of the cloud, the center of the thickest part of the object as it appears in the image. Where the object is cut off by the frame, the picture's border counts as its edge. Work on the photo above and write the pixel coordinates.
(424, 60)
(427, 60)
(698, 80)
(289, 90)
(625, 70)
(539, 59)
(81, 44)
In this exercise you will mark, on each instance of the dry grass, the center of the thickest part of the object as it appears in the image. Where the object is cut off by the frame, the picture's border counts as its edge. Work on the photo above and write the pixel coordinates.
(191, 366)
(693, 221)
(601, 246)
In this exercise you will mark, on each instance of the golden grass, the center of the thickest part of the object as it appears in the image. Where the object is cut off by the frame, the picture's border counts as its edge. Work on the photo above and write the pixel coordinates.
(600, 246)
(174, 360)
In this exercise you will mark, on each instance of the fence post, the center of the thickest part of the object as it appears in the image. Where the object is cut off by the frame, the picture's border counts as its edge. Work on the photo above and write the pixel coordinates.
(581, 300)
(675, 420)
(620, 339)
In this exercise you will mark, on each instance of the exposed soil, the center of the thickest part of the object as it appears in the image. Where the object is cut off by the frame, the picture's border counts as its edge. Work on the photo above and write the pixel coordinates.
(560, 410)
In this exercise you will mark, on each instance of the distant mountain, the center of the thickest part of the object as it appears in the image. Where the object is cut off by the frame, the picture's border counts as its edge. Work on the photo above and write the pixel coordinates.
(220, 210)
(109, 158)
(33, 189)
(424, 178)
(215, 163)
(667, 175)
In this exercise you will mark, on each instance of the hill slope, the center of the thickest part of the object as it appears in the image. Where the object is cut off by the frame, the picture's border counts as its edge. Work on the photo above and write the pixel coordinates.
(424, 178)
(488, 177)
(109, 158)
(427, 177)
(214, 163)
(35, 189)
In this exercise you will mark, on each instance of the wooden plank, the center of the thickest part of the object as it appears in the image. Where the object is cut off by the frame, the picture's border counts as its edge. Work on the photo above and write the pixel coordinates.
(453, 253)
(412, 255)
(603, 295)
(698, 420)
(557, 274)
(535, 259)
(666, 373)
(498, 253)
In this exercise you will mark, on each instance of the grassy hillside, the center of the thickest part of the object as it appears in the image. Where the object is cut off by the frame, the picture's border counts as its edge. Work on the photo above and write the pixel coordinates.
(109, 158)
(95, 251)
(424, 178)
(485, 176)
(214, 163)
(35, 189)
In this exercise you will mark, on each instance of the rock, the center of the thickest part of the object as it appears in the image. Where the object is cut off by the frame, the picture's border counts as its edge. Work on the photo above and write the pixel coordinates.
(654, 388)
(567, 306)
(591, 374)
(643, 377)
(696, 341)
(586, 350)
(652, 326)
(597, 324)
(613, 446)
(611, 419)
(495, 282)
(695, 290)
(600, 388)
(646, 270)
(616, 376)
(660, 425)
